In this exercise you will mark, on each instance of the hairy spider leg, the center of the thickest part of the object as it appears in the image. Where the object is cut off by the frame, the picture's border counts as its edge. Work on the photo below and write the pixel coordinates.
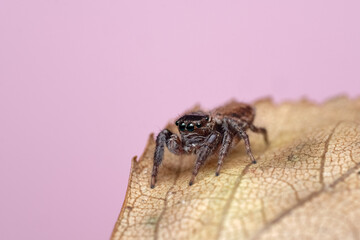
(241, 132)
(225, 146)
(174, 145)
(244, 136)
(204, 152)
(260, 130)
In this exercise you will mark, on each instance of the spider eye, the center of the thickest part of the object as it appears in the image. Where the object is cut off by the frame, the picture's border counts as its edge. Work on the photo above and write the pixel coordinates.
(198, 125)
(182, 126)
(177, 123)
(190, 127)
(207, 118)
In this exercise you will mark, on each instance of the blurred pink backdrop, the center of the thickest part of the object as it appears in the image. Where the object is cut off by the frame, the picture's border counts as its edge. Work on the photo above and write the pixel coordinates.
(83, 83)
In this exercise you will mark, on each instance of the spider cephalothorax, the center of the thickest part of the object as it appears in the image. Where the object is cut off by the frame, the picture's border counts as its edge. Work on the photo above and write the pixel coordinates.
(207, 133)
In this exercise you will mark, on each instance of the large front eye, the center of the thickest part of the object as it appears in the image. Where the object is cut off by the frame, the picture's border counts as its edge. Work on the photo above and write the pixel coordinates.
(190, 127)
(182, 126)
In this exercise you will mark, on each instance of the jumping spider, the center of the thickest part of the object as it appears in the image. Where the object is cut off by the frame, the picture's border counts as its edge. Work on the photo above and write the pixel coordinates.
(204, 134)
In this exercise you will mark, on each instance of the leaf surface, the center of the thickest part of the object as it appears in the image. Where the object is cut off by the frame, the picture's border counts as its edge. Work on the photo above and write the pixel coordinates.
(306, 184)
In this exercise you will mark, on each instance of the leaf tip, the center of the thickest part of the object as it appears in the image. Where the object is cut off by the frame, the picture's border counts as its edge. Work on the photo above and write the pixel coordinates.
(267, 99)
(337, 98)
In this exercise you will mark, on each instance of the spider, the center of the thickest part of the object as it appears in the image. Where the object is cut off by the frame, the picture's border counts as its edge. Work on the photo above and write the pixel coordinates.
(205, 134)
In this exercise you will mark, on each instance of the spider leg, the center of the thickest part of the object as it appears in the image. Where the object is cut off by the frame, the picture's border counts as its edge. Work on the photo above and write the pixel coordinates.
(241, 132)
(225, 146)
(172, 142)
(204, 152)
(260, 130)
(244, 136)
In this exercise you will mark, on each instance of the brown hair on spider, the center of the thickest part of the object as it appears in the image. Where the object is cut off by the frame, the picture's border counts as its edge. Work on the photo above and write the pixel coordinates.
(197, 122)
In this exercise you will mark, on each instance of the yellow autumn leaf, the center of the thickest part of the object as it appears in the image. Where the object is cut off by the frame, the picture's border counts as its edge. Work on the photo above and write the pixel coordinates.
(306, 184)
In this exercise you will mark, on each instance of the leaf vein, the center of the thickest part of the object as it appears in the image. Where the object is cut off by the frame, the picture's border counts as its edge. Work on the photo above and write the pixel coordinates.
(229, 201)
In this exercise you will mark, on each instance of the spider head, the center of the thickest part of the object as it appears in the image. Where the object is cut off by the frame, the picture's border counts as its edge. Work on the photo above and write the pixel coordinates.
(197, 122)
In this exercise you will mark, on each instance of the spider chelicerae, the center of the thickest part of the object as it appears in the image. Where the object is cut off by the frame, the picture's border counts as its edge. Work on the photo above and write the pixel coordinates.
(207, 133)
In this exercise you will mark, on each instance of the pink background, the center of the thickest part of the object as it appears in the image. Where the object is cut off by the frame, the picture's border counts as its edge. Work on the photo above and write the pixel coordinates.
(83, 83)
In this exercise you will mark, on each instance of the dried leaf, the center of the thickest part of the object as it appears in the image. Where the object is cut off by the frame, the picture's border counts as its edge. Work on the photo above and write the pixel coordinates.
(306, 184)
